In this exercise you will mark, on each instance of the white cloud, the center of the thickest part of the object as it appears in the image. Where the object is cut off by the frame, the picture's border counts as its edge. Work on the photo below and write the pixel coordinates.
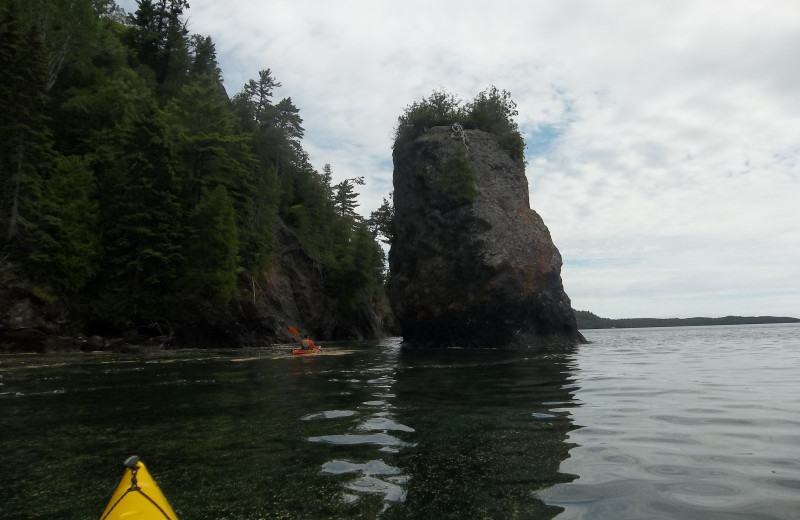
(663, 137)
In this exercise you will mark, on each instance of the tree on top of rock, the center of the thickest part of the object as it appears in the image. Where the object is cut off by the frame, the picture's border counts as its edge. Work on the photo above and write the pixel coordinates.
(492, 111)
(442, 108)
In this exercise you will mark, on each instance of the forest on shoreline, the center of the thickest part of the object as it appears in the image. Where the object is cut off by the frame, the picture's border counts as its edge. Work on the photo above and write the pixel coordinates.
(133, 187)
(135, 191)
(588, 320)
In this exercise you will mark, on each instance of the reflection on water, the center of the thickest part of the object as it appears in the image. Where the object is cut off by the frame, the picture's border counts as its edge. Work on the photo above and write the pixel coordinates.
(491, 429)
(371, 476)
(388, 485)
(375, 432)
(471, 434)
(657, 423)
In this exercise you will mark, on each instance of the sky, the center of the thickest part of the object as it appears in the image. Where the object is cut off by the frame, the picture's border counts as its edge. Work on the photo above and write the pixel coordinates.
(663, 136)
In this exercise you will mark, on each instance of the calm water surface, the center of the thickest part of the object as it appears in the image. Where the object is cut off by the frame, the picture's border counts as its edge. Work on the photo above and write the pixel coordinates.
(689, 422)
(643, 423)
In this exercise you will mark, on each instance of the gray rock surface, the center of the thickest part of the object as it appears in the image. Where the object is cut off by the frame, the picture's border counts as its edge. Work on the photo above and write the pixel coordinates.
(471, 264)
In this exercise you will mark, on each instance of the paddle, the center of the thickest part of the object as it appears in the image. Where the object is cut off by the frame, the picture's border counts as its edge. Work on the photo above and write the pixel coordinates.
(293, 331)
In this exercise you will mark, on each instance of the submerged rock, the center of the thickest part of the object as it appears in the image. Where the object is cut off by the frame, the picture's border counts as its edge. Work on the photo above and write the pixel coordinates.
(471, 264)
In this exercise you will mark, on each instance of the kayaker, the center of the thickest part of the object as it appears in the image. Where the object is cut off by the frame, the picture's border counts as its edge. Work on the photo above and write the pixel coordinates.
(308, 343)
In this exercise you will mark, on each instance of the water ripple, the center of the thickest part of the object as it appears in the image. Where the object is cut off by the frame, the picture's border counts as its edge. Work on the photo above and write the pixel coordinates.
(328, 414)
(372, 467)
(391, 492)
(384, 424)
(373, 476)
(389, 486)
(685, 423)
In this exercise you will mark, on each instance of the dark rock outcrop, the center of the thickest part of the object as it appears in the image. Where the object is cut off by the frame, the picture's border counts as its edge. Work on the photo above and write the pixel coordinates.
(471, 264)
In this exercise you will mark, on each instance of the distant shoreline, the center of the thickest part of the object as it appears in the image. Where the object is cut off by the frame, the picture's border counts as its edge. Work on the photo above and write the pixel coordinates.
(588, 320)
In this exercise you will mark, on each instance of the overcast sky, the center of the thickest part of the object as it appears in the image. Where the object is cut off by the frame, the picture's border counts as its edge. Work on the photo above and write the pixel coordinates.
(663, 136)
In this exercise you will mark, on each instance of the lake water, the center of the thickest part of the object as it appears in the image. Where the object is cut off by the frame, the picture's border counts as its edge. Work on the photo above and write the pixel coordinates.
(690, 422)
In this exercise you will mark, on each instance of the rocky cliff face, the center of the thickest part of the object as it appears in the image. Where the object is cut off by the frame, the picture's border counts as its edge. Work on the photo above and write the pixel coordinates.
(471, 264)
(292, 293)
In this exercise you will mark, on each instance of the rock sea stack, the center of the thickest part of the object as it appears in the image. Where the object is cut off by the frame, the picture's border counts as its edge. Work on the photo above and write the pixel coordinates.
(471, 264)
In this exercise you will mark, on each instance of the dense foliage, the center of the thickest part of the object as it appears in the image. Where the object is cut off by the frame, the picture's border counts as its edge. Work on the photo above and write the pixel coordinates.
(130, 182)
(492, 111)
(381, 221)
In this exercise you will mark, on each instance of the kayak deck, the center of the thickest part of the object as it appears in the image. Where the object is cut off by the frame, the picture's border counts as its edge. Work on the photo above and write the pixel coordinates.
(138, 496)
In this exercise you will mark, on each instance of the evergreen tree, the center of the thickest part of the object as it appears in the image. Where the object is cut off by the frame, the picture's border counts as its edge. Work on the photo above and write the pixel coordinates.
(158, 36)
(68, 247)
(143, 228)
(381, 221)
(257, 96)
(356, 275)
(129, 180)
(327, 178)
(212, 248)
(345, 196)
(67, 29)
(25, 145)
(288, 121)
(255, 235)
(204, 57)
(201, 123)
(98, 99)
(276, 130)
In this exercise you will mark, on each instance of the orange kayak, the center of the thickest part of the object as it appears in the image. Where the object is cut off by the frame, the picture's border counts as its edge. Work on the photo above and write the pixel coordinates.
(301, 352)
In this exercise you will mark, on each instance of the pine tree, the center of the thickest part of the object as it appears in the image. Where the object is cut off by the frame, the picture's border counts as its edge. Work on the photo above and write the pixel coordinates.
(128, 180)
(212, 249)
(257, 96)
(345, 196)
(97, 98)
(204, 57)
(68, 30)
(158, 36)
(68, 247)
(288, 121)
(143, 227)
(201, 126)
(356, 275)
(327, 178)
(26, 155)
(381, 221)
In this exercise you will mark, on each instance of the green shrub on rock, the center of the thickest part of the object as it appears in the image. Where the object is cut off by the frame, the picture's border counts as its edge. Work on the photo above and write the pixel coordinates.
(492, 111)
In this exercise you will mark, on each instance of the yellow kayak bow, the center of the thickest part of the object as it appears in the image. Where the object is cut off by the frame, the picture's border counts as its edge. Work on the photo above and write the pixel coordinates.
(138, 497)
